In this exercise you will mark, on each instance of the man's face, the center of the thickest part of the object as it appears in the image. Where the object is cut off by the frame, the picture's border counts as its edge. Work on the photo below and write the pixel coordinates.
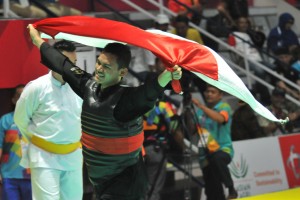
(278, 101)
(181, 29)
(72, 57)
(285, 59)
(17, 95)
(163, 27)
(242, 24)
(107, 72)
(289, 25)
(212, 95)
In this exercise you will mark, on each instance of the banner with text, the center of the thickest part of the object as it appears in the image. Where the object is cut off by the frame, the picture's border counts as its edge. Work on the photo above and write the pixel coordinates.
(257, 167)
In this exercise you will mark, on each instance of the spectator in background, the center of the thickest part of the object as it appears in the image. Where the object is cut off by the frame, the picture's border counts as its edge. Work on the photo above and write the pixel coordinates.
(14, 178)
(282, 36)
(182, 29)
(278, 108)
(233, 9)
(245, 123)
(248, 41)
(162, 22)
(215, 145)
(283, 66)
(48, 115)
(194, 13)
(242, 41)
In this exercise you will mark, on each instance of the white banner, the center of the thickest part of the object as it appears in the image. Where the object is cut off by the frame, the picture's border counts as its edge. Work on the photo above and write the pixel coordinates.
(257, 167)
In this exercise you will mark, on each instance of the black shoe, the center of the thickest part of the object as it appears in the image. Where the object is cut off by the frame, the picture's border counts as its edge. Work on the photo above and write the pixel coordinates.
(232, 194)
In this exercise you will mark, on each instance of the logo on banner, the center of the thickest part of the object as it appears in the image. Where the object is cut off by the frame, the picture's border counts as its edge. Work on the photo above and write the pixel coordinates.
(293, 162)
(239, 169)
(290, 150)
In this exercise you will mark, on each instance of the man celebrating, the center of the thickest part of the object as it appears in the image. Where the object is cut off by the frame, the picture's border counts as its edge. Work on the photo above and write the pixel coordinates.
(111, 117)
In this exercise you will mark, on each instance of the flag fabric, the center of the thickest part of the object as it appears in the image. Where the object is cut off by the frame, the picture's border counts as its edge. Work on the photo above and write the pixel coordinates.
(171, 49)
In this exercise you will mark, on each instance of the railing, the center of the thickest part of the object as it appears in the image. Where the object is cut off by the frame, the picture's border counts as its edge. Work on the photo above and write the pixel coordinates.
(247, 72)
(6, 10)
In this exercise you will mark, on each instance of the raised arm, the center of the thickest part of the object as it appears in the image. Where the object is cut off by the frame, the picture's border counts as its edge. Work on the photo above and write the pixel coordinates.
(51, 58)
(35, 36)
(219, 117)
(56, 61)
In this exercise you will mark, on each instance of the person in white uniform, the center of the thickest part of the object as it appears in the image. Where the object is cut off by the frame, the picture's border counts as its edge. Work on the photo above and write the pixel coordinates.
(48, 115)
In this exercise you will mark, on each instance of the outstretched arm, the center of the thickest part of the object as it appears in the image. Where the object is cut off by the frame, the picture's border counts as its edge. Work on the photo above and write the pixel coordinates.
(56, 61)
(35, 36)
(214, 115)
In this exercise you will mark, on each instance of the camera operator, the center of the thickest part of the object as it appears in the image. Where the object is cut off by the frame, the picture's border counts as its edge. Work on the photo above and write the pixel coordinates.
(213, 122)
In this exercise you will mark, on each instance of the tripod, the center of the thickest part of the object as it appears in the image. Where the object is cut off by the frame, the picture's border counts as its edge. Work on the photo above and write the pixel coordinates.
(193, 132)
(162, 148)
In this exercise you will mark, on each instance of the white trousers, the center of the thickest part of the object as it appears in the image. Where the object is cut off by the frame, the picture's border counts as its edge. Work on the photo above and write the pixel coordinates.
(52, 184)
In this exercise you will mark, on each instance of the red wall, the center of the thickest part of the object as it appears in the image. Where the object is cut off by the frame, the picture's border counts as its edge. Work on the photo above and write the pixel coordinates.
(20, 59)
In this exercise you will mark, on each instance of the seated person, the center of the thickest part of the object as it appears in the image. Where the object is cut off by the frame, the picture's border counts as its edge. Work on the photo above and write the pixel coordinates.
(282, 36)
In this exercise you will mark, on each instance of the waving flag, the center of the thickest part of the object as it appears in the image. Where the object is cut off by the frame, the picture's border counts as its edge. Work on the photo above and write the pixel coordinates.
(171, 49)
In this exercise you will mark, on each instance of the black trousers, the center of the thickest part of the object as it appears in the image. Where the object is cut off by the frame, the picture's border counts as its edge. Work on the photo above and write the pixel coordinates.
(130, 184)
(215, 174)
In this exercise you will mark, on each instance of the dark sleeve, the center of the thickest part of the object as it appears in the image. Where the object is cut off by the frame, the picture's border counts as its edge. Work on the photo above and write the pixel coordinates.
(272, 40)
(136, 101)
(56, 61)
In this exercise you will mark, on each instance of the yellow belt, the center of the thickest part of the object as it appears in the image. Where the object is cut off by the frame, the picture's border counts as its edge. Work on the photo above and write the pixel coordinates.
(54, 148)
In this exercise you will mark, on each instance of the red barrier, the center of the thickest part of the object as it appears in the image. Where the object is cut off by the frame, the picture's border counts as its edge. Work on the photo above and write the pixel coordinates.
(20, 59)
(290, 150)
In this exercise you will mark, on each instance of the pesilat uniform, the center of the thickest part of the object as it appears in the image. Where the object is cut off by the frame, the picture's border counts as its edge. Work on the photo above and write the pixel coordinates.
(112, 128)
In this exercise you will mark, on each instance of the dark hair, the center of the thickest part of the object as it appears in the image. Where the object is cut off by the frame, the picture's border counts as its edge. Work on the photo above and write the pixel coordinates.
(209, 85)
(64, 45)
(17, 87)
(278, 92)
(14, 91)
(182, 18)
(121, 51)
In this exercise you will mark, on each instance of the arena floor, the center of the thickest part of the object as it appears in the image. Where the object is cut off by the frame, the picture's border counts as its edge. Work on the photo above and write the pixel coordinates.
(292, 194)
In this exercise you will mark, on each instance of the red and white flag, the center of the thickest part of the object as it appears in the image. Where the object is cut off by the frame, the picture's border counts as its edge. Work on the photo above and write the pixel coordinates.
(172, 49)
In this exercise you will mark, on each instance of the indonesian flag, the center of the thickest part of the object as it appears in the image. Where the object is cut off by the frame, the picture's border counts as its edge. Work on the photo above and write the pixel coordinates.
(171, 49)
